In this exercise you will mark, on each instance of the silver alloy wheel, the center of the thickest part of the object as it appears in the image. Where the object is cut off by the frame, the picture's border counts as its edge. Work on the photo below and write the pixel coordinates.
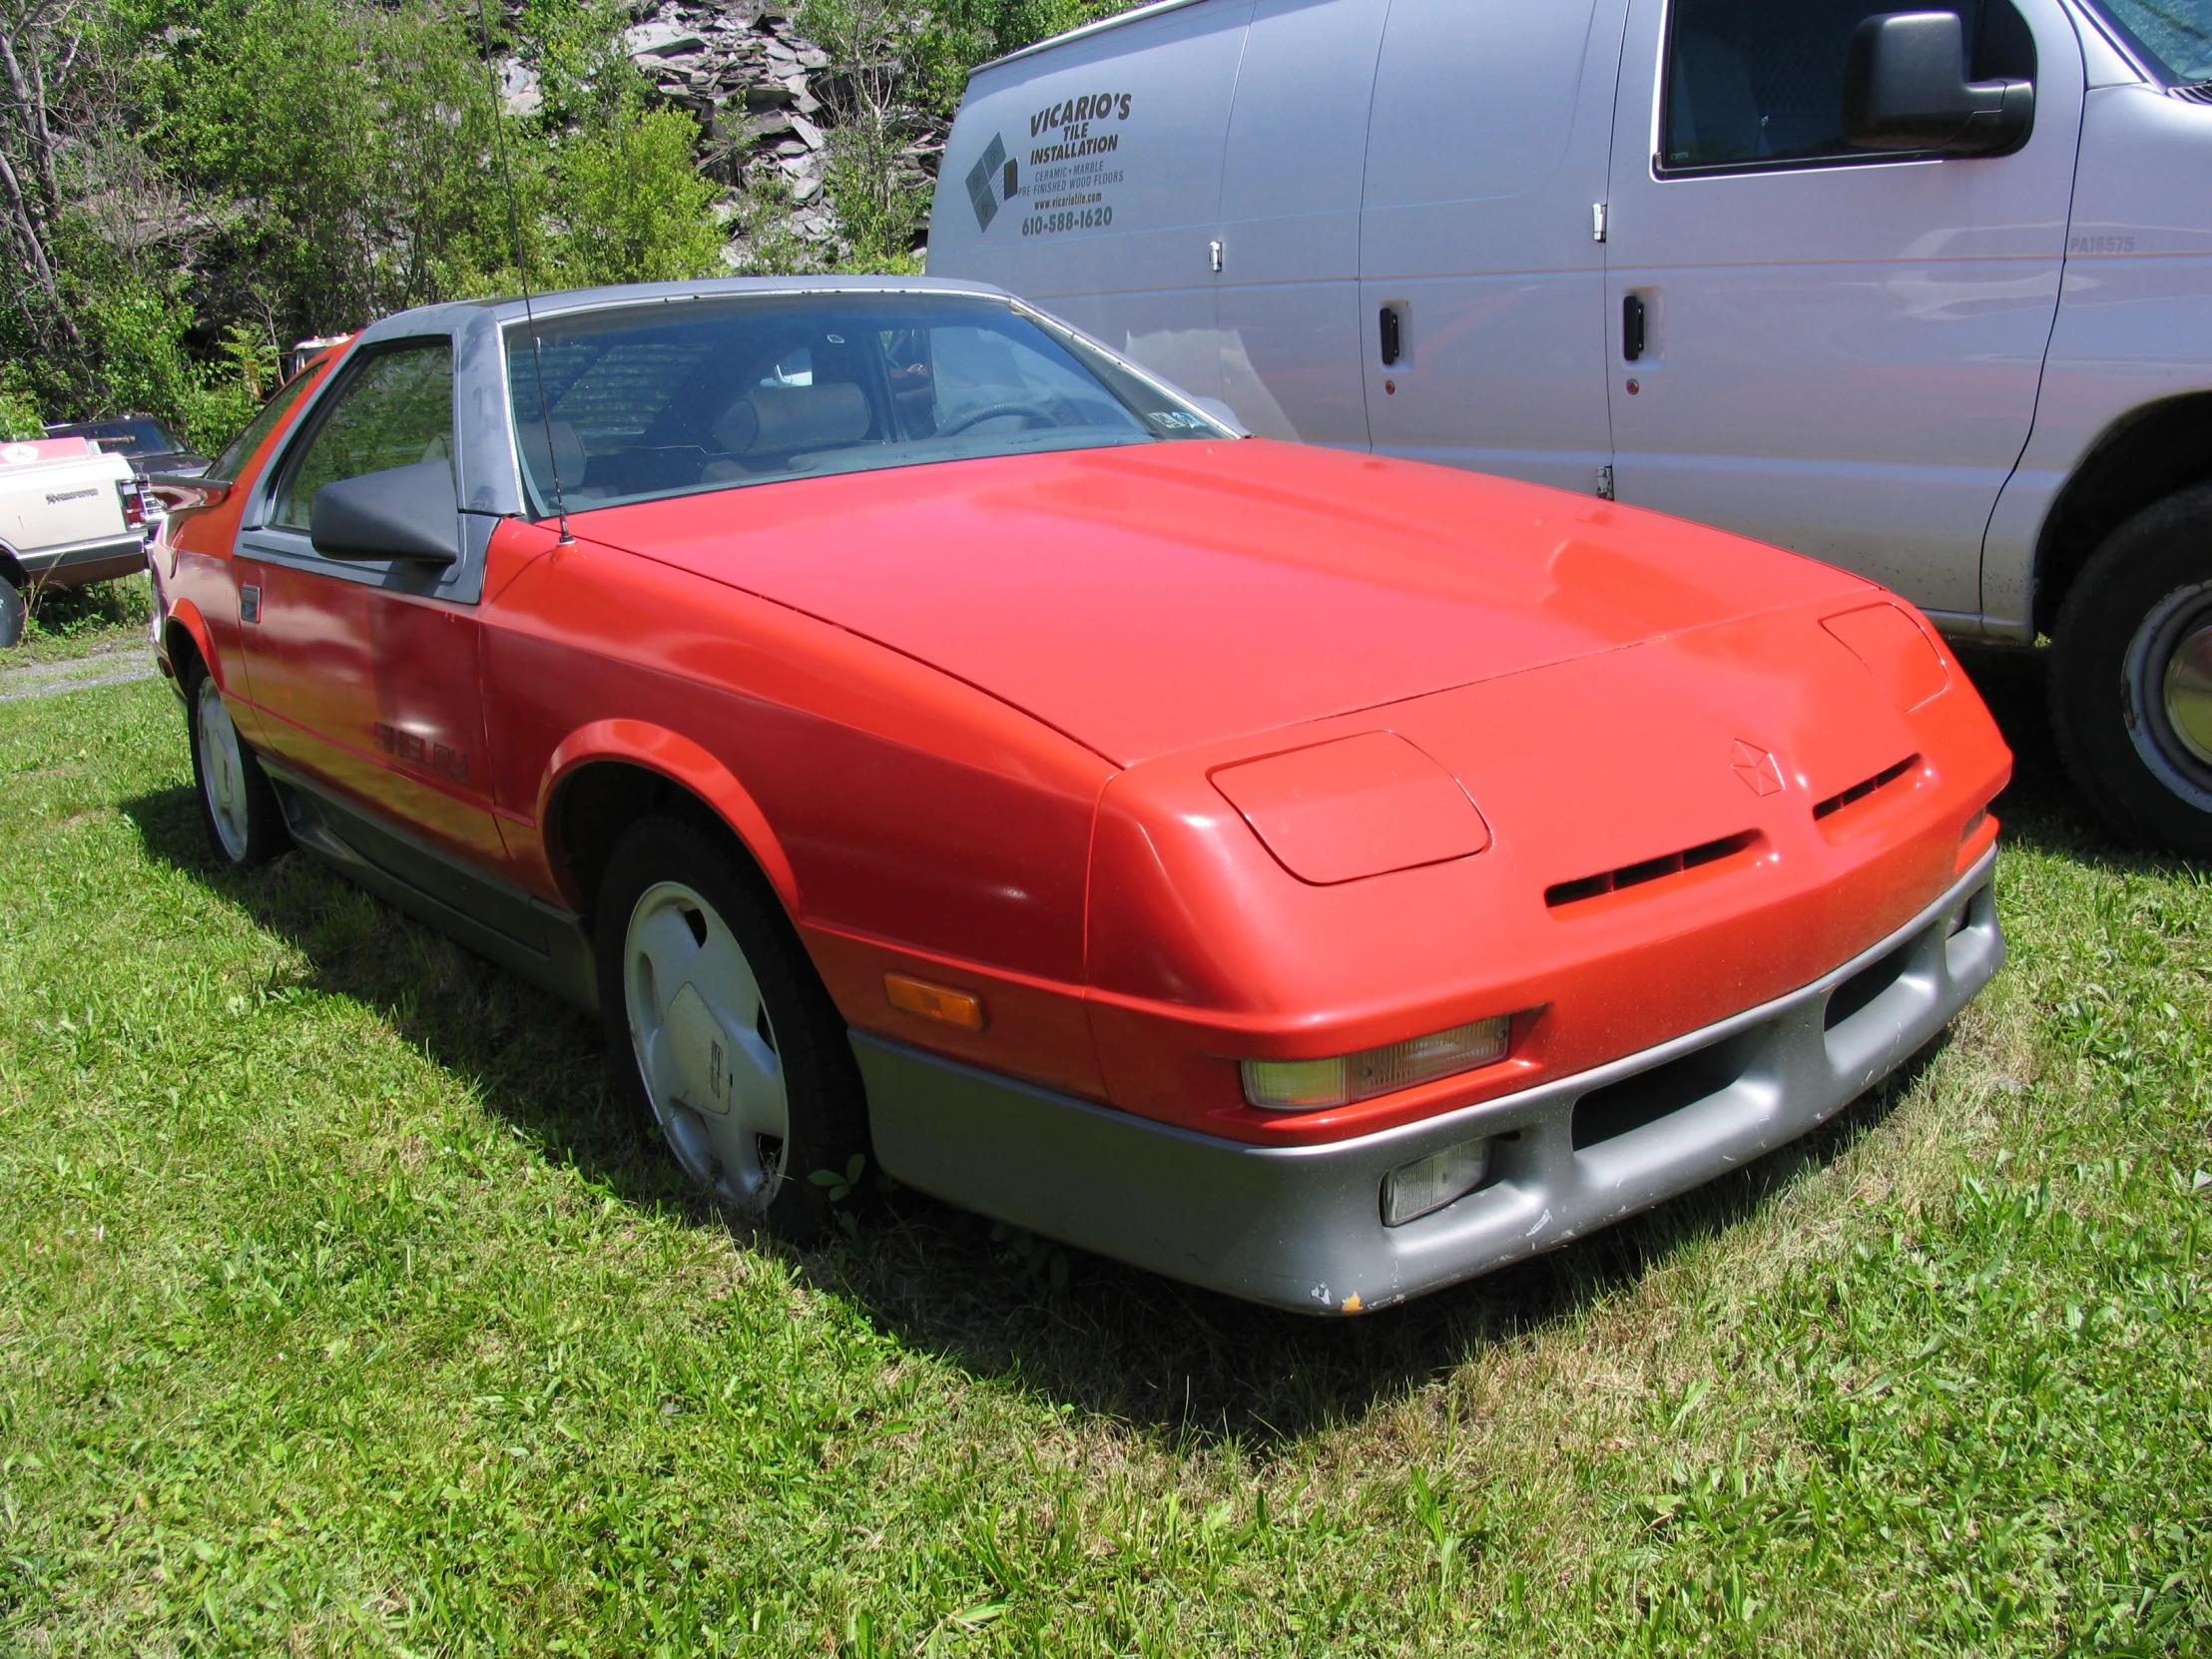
(704, 1046)
(223, 771)
(2189, 692)
(2168, 671)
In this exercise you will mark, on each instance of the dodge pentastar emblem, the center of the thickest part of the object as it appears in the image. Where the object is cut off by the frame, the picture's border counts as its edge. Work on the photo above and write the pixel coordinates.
(1755, 768)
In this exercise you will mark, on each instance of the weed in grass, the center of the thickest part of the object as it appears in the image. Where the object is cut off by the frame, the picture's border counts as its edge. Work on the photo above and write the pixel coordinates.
(345, 1315)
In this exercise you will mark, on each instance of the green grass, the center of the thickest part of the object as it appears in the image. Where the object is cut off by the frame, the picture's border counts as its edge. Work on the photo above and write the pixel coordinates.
(339, 1315)
(69, 622)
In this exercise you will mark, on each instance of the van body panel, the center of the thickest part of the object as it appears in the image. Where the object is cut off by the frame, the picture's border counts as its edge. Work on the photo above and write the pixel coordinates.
(1115, 142)
(1487, 149)
(1289, 308)
(1841, 357)
(2134, 315)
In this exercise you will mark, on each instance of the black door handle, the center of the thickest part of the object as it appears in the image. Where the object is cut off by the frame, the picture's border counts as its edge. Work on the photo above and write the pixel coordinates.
(1390, 340)
(1632, 327)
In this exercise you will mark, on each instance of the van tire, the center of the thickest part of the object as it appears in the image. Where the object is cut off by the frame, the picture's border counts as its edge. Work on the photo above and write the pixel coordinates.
(791, 1105)
(15, 614)
(2131, 726)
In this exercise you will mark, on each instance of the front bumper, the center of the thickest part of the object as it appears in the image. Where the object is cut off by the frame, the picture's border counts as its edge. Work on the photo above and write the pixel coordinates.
(1301, 1227)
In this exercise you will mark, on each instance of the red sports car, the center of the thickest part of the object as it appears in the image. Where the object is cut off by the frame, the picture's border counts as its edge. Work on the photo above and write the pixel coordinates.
(915, 730)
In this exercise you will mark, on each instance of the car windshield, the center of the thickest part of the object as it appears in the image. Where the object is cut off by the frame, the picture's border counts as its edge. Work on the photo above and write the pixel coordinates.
(2177, 33)
(664, 399)
(133, 437)
(243, 446)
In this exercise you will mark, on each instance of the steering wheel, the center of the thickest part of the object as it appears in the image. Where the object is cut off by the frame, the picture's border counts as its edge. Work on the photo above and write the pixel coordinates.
(991, 411)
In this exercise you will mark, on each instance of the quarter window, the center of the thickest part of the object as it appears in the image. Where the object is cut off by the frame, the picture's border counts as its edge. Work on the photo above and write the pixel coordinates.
(1755, 83)
(395, 409)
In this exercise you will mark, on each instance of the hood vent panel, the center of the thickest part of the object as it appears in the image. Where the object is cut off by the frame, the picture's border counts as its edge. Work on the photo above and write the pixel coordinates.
(1650, 870)
(1865, 787)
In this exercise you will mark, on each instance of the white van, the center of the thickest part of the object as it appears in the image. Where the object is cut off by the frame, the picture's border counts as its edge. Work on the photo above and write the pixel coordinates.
(1927, 295)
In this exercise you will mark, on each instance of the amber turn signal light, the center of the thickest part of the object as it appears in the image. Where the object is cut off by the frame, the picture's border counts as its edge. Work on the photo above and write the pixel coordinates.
(938, 1003)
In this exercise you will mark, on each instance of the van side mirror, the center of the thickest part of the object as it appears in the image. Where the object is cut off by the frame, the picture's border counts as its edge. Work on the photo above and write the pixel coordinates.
(1906, 88)
(402, 512)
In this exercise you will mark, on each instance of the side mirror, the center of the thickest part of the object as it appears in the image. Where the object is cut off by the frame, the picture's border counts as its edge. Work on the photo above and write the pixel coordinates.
(402, 512)
(1906, 88)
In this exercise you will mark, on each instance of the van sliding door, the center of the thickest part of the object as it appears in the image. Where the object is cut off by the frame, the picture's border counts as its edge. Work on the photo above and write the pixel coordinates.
(1481, 285)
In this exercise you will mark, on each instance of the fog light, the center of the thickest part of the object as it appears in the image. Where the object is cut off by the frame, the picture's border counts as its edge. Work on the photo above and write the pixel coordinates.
(1413, 1189)
(1310, 1085)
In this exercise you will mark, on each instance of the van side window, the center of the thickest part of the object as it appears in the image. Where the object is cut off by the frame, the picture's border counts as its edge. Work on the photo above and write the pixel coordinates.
(1754, 84)
(395, 410)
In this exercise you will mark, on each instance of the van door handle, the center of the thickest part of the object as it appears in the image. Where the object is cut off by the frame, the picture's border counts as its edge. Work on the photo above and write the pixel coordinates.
(1392, 340)
(1632, 327)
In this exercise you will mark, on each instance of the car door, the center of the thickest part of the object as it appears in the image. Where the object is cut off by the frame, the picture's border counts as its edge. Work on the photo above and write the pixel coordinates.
(1840, 348)
(1481, 282)
(368, 670)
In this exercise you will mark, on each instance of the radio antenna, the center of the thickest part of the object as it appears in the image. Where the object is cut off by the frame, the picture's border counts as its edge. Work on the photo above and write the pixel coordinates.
(522, 269)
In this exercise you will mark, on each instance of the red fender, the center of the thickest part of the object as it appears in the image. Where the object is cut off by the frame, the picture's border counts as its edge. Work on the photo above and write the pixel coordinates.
(677, 759)
(186, 615)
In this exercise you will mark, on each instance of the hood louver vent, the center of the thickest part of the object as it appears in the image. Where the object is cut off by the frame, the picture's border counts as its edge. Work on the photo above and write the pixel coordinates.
(1649, 870)
(2197, 91)
(1865, 787)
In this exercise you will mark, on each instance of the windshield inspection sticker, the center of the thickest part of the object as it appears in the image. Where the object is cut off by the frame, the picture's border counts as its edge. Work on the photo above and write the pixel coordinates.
(1069, 168)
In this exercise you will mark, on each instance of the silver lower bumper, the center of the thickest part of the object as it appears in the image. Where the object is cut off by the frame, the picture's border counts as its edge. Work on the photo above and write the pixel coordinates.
(1301, 1227)
(86, 561)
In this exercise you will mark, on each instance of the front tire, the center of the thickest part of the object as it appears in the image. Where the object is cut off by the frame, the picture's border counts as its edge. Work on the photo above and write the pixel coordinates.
(2131, 675)
(238, 808)
(15, 614)
(720, 1030)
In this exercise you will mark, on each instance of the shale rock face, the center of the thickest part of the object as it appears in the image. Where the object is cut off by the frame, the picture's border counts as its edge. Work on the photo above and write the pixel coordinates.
(757, 87)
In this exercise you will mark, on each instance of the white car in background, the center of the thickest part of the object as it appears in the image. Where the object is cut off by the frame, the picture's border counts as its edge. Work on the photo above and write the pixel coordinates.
(70, 513)
(1927, 295)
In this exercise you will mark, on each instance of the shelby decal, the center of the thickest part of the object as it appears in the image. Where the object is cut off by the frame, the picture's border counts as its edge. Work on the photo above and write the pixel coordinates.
(415, 748)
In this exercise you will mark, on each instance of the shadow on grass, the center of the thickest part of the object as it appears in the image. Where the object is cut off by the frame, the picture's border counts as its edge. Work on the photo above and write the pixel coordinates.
(1106, 1338)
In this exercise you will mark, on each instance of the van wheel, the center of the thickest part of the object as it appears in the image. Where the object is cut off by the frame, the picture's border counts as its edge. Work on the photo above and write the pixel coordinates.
(238, 808)
(2131, 675)
(15, 614)
(720, 1030)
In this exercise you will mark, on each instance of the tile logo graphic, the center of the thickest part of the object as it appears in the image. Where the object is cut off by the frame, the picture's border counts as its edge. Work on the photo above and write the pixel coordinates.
(991, 180)
(1755, 768)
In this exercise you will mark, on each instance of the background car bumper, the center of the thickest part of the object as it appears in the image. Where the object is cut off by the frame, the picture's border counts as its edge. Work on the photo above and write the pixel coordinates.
(1301, 1227)
(88, 561)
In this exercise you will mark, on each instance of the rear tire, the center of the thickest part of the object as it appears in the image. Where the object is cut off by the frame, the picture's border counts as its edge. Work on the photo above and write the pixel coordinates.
(720, 1030)
(15, 614)
(2131, 676)
(238, 808)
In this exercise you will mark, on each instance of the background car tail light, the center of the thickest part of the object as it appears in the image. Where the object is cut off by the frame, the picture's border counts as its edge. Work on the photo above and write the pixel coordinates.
(1310, 1085)
(1428, 1184)
(132, 495)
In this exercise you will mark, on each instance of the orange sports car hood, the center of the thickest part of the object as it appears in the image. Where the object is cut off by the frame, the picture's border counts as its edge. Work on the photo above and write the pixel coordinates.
(1143, 599)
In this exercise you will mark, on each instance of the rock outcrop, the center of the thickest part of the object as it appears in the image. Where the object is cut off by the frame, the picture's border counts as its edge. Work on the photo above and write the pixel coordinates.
(764, 97)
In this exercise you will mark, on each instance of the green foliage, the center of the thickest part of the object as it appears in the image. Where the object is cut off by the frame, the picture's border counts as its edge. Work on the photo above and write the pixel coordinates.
(631, 207)
(19, 414)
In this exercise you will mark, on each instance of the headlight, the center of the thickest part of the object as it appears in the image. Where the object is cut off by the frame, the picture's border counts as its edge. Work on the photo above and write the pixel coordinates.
(1310, 1085)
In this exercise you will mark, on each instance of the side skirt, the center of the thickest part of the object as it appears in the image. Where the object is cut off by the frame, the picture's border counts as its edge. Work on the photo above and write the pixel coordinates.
(543, 943)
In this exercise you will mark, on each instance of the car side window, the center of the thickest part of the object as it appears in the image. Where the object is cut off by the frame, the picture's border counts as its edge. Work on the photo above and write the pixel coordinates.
(1751, 84)
(395, 409)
